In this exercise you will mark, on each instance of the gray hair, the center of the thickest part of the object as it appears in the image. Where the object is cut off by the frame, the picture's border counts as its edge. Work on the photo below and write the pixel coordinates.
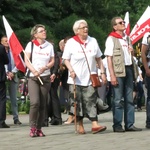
(77, 24)
(34, 29)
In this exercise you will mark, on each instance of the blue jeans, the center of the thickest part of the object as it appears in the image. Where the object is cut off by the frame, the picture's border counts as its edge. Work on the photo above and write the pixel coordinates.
(123, 100)
(12, 89)
(148, 101)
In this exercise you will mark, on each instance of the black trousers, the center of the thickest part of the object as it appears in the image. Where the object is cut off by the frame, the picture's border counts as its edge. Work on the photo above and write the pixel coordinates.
(54, 108)
(2, 102)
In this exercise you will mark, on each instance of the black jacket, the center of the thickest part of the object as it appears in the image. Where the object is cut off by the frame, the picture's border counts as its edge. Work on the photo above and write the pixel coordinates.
(55, 68)
(3, 60)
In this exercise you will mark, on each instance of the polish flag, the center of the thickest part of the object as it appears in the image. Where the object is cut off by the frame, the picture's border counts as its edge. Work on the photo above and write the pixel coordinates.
(15, 46)
(141, 27)
(127, 24)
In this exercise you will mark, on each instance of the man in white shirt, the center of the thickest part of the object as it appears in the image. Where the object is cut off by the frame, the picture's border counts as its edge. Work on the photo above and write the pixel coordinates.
(145, 53)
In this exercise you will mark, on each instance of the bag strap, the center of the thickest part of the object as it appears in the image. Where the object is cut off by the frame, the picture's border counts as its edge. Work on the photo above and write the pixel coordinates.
(86, 59)
(30, 58)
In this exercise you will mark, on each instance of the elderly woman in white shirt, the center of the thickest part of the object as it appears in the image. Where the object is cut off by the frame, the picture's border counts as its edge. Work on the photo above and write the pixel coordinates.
(75, 60)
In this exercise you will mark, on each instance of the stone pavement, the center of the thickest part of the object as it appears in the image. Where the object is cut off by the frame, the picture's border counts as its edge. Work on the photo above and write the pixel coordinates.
(63, 137)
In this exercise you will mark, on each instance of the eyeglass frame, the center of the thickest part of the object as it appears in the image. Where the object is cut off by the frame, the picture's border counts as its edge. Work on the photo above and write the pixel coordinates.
(120, 23)
(42, 31)
(84, 27)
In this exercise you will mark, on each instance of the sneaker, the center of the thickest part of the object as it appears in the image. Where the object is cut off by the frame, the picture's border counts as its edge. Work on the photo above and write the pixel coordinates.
(40, 133)
(33, 132)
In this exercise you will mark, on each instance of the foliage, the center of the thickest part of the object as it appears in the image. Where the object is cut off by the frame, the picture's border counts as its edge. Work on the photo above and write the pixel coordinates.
(59, 16)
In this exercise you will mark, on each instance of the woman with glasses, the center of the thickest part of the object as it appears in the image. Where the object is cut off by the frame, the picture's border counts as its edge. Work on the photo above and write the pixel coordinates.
(39, 59)
(79, 77)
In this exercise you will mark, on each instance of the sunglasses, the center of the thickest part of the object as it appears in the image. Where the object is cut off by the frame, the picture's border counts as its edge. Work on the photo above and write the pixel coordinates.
(121, 22)
(41, 31)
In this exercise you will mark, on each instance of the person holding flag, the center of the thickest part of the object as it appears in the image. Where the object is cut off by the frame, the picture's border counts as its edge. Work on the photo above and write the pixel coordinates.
(118, 52)
(145, 54)
(41, 55)
(12, 79)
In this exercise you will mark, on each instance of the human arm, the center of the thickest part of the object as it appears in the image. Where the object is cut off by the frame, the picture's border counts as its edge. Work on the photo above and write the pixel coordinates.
(29, 65)
(72, 73)
(113, 78)
(101, 66)
(144, 59)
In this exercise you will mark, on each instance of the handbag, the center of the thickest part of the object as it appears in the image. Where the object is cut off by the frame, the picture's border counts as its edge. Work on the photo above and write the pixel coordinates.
(93, 77)
(95, 80)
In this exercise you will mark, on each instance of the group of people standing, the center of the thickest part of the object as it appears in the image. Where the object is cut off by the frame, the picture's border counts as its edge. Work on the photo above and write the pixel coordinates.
(81, 56)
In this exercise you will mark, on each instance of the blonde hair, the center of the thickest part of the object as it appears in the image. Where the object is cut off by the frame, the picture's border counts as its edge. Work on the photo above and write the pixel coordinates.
(34, 29)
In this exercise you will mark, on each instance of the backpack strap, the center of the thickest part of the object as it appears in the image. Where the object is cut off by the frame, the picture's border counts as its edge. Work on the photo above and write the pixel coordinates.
(30, 58)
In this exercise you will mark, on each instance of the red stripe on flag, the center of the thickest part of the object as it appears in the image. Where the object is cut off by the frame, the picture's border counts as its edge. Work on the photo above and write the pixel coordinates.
(140, 31)
(128, 30)
(16, 49)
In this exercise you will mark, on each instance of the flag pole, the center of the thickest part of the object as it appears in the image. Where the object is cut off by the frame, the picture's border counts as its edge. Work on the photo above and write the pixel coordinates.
(31, 65)
(75, 107)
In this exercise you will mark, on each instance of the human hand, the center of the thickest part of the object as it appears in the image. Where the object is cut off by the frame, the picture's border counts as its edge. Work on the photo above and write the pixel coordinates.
(52, 77)
(72, 74)
(114, 81)
(36, 73)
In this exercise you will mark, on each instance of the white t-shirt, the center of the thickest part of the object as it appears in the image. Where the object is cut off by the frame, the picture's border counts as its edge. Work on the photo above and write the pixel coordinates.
(41, 56)
(144, 40)
(110, 46)
(74, 53)
(106, 67)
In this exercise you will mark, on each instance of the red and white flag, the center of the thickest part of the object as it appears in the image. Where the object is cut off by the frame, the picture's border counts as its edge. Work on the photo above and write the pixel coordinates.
(141, 27)
(127, 23)
(15, 46)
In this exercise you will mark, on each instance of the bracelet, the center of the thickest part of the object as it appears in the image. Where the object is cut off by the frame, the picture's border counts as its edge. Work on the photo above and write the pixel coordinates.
(102, 72)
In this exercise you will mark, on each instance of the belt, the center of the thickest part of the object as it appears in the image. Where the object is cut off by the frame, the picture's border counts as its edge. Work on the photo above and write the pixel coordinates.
(128, 65)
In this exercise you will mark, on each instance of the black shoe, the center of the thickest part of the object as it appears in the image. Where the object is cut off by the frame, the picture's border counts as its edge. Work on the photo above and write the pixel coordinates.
(45, 124)
(147, 126)
(120, 129)
(17, 122)
(133, 128)
(4, 125)
(56, 122)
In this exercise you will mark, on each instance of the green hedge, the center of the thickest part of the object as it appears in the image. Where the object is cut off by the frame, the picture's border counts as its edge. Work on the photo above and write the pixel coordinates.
(23, 106)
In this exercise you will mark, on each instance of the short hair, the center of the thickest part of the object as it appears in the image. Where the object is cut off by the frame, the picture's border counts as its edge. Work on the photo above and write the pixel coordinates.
(34, 29)
(61, 44)
(113, 21)
(4, 36)
(77, 24)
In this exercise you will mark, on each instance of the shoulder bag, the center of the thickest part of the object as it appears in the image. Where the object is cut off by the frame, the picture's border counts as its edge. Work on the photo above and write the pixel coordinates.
(93, 77)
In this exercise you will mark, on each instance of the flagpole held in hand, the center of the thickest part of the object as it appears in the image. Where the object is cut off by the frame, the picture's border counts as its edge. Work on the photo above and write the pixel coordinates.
(75, 107)
(31, 65)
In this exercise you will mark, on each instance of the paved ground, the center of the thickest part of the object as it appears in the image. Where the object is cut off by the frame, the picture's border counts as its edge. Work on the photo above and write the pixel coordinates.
(64, 138)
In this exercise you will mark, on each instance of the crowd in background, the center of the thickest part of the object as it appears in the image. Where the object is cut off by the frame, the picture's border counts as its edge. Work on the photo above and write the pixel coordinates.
(53, 73)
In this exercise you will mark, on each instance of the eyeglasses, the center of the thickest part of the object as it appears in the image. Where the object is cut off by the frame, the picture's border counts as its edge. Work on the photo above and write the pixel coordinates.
(41, 31)
(121, 22)
(85, 27)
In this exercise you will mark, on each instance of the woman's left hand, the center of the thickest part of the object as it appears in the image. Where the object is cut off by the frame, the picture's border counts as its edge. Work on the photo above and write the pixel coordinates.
(41, 70)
